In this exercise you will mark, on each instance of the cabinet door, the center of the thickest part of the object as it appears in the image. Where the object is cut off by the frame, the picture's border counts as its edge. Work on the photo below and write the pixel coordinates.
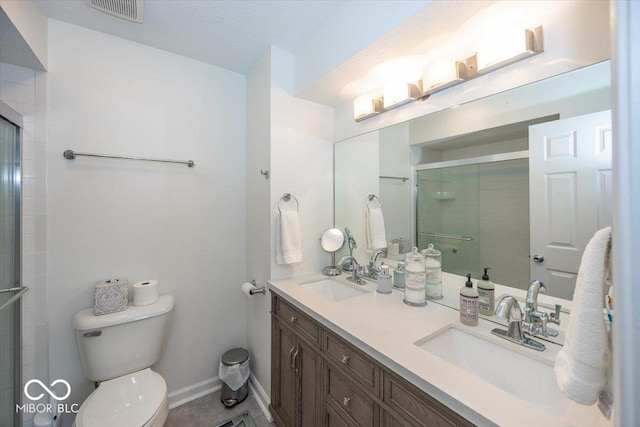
(283, 386)
(308, 368)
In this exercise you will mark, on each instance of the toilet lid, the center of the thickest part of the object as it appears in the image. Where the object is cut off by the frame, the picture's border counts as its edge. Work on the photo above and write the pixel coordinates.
(127, 401)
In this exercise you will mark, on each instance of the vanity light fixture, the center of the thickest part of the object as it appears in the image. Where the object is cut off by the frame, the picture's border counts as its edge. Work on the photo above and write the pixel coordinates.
(507, 47)
(396, 94)
(366, 106)
(500, 50)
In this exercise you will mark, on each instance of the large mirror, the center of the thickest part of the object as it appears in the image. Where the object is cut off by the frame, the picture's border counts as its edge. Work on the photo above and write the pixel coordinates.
(497, 182)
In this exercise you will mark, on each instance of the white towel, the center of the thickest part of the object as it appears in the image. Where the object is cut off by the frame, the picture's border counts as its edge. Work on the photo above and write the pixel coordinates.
(376, 237)
(288, 241)
(581, 364)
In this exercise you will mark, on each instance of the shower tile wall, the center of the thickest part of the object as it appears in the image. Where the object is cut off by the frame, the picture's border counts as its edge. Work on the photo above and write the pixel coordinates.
(503, 190)
(24, 90)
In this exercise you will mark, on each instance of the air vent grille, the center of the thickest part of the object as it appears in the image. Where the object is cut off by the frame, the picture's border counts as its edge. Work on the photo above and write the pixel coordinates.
(130, 10)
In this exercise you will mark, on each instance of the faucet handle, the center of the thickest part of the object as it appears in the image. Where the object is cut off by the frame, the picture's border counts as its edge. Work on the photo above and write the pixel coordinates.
(555, 317)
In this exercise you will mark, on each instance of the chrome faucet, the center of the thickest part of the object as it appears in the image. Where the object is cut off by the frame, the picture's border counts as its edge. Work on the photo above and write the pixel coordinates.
(358, 270)
(509, 309)
(534, 320)
(372, 270)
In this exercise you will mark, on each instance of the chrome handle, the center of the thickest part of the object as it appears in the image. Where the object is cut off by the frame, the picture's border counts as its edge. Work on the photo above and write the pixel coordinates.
(19, 292)
(293, 319)
(447, 236)
(538, 258)
(346, 401)
(555, 317)
(291, 356)
(345, 359)
(295, 361)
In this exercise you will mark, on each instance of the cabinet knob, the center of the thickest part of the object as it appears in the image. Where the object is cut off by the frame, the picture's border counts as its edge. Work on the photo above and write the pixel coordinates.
(345, 359)
(293, 319)
(346, 401)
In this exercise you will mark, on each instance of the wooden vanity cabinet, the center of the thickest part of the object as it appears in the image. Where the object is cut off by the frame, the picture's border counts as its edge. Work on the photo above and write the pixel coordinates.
(320, 379)
(296, 368)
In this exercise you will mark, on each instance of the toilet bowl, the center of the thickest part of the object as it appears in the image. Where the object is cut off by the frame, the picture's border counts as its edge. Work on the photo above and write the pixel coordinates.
(135, 400)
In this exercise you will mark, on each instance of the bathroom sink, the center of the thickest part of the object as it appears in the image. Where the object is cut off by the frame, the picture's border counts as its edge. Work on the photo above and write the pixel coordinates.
(333, 290)
(510, 369)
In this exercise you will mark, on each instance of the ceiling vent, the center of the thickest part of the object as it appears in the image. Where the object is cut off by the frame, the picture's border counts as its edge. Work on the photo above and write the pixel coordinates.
(131, 10)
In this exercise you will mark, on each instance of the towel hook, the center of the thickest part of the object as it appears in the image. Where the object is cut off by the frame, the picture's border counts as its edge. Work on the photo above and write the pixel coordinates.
(265, 174)
(287, 197)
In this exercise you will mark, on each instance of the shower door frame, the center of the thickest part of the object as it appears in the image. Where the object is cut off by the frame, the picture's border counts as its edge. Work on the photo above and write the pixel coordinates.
(14, 118)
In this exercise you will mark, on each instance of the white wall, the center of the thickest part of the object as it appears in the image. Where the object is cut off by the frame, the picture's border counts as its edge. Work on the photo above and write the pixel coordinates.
(25, 90)
(576, 34)
(184, 227)
(395, 195)
(23, 36)
(292, 138)
(301, 164)
(259, 223)
(357, 168)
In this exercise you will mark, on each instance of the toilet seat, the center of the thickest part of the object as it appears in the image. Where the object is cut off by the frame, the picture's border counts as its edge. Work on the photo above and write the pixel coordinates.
(135, 400)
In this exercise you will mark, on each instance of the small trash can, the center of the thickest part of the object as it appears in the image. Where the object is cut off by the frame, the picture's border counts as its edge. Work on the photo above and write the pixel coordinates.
(234, 373)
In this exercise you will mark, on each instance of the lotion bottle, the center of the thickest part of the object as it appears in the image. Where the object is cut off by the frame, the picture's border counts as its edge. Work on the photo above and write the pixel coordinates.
(469, 304)
(486, 295)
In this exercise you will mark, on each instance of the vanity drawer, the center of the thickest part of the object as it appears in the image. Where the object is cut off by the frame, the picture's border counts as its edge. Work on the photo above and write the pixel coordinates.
(351, 401)
(417, 407)
(302, 324)
(359, 366)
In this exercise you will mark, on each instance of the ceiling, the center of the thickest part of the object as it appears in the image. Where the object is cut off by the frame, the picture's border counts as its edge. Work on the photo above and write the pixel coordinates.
(230, 34)
(234, 34)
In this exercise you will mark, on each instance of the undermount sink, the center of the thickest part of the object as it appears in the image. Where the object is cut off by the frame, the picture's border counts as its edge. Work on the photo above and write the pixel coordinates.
(504, 367)
(333, 290)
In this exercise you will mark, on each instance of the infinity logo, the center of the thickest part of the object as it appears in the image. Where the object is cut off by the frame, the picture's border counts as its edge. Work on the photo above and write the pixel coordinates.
(47, 389)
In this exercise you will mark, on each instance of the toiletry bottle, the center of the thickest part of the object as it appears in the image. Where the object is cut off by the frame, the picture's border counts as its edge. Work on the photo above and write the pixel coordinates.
(486, 295)
(414, 285)
(384, 280)
(398, 276)
(469, 303)
(433, 272)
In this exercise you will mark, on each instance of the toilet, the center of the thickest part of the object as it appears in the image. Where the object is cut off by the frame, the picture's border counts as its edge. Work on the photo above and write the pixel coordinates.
(117, 351)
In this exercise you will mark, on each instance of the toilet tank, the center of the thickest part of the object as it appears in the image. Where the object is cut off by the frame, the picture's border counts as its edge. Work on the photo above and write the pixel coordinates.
(120, 343)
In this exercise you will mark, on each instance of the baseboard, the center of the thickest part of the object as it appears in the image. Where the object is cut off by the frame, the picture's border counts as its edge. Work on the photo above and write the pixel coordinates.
(262, 399)
(194, 391)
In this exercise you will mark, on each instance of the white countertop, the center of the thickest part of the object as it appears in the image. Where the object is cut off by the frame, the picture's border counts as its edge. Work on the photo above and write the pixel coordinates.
(386, 328)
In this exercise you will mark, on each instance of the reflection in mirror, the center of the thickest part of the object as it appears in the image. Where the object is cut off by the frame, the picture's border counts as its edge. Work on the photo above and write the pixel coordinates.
(331, 241)
(473, 175)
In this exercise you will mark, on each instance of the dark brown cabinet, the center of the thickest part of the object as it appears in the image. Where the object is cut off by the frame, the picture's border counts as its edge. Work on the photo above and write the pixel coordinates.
(320, 379)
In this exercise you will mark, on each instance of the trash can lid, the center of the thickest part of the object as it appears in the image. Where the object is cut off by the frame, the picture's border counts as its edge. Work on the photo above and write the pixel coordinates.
(235, 356)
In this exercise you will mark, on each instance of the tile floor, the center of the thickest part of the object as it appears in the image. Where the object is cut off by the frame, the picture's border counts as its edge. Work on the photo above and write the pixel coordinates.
(208, 411)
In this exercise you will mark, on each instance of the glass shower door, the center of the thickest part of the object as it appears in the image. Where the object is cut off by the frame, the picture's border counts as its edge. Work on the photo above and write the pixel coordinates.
(10, 289)
(447, 216)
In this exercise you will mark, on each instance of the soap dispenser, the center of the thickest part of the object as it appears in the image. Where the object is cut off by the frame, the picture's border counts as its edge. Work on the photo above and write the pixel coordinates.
(384, 280)
(486, 295)
(398, 276)
(469, 303)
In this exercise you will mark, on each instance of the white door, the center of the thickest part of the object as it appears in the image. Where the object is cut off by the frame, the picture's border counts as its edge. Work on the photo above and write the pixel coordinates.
(570, 195)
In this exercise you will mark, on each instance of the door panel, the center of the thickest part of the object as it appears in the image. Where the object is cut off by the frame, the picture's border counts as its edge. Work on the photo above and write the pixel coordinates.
(570, 194)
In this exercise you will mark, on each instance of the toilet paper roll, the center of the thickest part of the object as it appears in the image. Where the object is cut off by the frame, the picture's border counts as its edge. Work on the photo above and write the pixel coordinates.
(246, 288)
(145, 292)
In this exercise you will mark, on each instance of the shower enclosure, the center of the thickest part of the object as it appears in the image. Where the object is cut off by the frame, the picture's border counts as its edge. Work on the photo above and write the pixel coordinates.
(11, 290)
(478, 216)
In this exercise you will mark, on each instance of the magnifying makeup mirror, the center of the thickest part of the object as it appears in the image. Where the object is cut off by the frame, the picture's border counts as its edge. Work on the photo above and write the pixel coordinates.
(331, 241)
